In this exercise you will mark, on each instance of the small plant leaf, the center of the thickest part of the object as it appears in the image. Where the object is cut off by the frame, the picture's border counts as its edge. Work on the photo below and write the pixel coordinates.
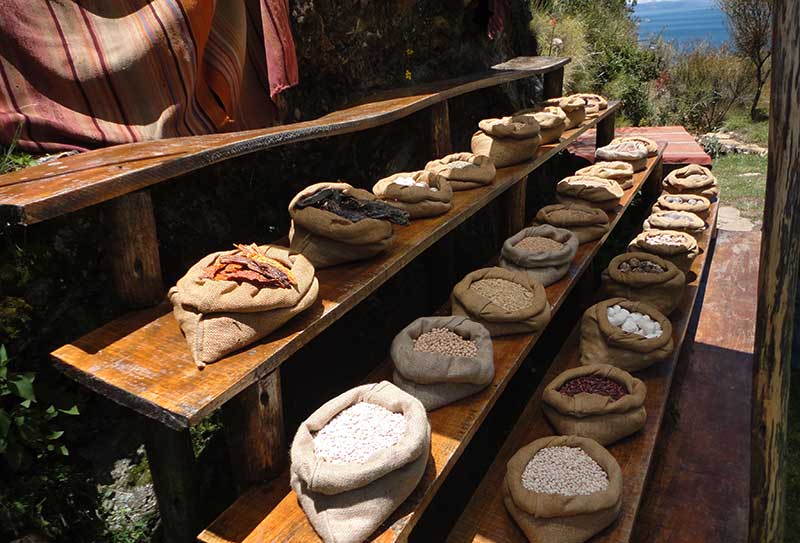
(71, 411)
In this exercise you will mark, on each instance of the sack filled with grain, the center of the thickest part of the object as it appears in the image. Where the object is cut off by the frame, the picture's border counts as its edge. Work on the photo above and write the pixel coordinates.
(333, 223)
(552, 122)
(464, 171)
(650, 145)
(562, 489)
(357, 458)
(621, 172)
(625, 334)
(574, 108)
(590, 191)
(680, 248)
(507, 141)
(595, 103)
(587, 223)
(683, 221)
(598, 401)
(633, 152)
(543, 252)
(231, 299)
(421, 194)
(692, 179)
(693, 203)
(440, 360)
(505, 302)
(643, 277)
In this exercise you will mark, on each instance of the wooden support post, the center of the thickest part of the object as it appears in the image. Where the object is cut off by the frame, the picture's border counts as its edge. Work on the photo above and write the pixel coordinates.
(441, 141)
(553, 84)
(605, 130)
(441, 257)
(777, 283)
(254, 430)
(133, 247)
(653, 184)
(514, 206)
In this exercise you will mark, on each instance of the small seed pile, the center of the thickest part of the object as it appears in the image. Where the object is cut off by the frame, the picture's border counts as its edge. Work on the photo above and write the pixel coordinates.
(568, 471)
(538, 244)
(357, 433)
(679, 200)
(410, 182)
(666, 239)
(634, 323)
(509, 295)
(640, 266)
(442, 340)
(459, 164)
(594, 384)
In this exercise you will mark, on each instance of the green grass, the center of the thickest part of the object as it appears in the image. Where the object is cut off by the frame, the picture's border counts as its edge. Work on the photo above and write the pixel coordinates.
(750, 132)
(744, 192)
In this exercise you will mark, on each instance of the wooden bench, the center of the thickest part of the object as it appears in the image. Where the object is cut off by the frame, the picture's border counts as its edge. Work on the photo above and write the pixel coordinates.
(271, 513)
(485, 517)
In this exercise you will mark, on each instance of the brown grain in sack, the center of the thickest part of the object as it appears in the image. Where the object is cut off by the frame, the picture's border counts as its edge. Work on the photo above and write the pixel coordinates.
(345, 503)
(633, 152)
(220, 317)
(692, 179)
(554, 518)
(573, 108)
(507, 141)
(661, 290)
(591, 191)
(587, 223)
(497, 319)
(430, 200)
(464, 171)
(683, 221)
(650, 145)
(596, 416)
(680, 248)
(693, 203)
(437, 379)
(551, 123)
(621, 172)
(546, 267)
(594, 102)
(328, 239)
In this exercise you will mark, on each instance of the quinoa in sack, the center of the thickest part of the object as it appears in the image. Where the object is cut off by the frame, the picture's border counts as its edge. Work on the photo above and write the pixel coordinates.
(464, 171)
(692, 179)
(680, 248)
(591, 191)
(421, 194)
(543, 252)
(507, 141)
(644, 277)
(587, 223)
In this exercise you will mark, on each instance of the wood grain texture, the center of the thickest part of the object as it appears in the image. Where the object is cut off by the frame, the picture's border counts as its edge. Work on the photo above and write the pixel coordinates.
(72, 183)
(485, 518)
(271, 512)
(441, 139)
(780, 258)
(142, 362)
(553, 84)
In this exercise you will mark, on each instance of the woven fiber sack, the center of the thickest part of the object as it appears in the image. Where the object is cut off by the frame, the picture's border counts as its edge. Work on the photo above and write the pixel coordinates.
(587, 223)
(574, 109)
(596, 416)
(554, 518)
(328, 239)
(220, 317)
(662, 290)
(552, 122)
(650, 145)
(546, 267)
(505, 152)
(345, 503)
(692, 179)
(621, 172)
(437, 379)
(501, 320)
(464, 171)
(680, 248)
(430, 200)
(693, 203)
(683, 221)
(606, 343)
(594, 102)
(592, 191)
(633, 152)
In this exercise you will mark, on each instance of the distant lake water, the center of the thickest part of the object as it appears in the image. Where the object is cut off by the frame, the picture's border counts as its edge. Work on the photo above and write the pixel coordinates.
(682, 21)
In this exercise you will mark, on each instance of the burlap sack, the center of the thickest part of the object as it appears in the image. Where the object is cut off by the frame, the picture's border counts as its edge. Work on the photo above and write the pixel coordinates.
(345, 503)
(681, 253)
(546, 267)
(552, 122)
(621, 172)
(220, 317)
(553, 518)
(604, 343)
(693, 203)
(591, 191)
(650, 145)
(692, 179)
(437, 379)
(518, 127)
(326, 239)
(593, 415)
(633, 152)
(587, 223)
(495, 318)
(460, 176)
(594, 102)
(505, 152)
(418, 202)
(661, 290)
(683, 221)
(574, 108)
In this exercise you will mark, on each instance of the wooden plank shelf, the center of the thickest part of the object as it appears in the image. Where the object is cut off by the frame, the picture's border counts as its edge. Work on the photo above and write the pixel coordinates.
(142, 362)
(485, 518)
(270, 512)
(61, 186)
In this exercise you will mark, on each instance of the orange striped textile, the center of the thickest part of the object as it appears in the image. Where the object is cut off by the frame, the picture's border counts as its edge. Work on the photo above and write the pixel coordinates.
(80, 74)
